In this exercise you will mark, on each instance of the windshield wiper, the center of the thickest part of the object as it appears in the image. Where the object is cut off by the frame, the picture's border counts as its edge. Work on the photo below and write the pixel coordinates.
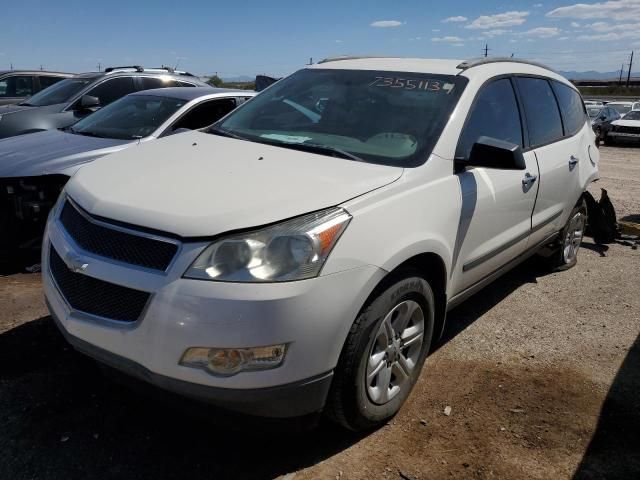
(224, 133)
(321, 149)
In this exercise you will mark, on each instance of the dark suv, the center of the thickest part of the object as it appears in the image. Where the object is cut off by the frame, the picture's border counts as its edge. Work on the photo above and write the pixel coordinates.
(69, 100)
(16, 85)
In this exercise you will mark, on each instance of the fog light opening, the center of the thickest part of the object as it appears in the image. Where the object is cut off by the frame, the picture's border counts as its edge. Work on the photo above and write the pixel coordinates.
(231, 361)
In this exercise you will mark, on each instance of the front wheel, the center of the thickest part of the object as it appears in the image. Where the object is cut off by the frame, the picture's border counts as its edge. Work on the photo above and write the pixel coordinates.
(383, 355)
(571, 237)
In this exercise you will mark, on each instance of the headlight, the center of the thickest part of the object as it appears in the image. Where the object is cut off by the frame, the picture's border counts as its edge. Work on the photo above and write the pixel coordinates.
(292, 250)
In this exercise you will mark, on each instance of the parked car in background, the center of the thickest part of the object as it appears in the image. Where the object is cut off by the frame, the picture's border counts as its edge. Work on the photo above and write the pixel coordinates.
(17, 85)
(635, 106)
(593, 103)
(625, 130)
(301, 256)
(621, 107)
(34, 168)
(72, 99)
(601, 118)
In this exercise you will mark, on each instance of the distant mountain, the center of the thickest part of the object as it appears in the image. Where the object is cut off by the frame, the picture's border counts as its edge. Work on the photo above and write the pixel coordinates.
(593, 75)
(239, 79)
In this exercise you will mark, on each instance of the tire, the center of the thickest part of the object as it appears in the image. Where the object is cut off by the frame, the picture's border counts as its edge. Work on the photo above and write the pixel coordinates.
(358, 404)
(608, 141)
(566, 256)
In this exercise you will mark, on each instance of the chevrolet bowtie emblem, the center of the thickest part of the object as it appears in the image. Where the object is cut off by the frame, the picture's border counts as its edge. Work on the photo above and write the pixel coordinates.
(76, 263)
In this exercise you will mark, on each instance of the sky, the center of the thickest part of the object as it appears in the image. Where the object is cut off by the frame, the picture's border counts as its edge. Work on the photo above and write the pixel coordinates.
(276, 37)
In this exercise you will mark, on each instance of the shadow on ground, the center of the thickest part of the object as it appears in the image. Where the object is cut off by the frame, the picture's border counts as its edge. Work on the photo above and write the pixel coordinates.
(614, 450)
(60, 417)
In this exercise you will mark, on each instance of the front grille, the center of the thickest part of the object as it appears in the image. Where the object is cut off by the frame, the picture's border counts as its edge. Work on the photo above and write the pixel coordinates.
(115, 244)
(622, 129)
(96, 297)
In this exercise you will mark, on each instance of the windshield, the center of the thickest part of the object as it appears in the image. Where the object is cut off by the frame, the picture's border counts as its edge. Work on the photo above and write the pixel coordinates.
(593, 112)
(131, 117)
(634, 115)
(60, 92)
(620, 107)
(391, 118)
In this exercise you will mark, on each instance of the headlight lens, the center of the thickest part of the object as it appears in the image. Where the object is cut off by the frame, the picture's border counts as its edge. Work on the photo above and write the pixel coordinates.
(292, 250)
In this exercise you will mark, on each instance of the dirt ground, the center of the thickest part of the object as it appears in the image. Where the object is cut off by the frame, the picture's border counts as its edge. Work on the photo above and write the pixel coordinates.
(541, 371)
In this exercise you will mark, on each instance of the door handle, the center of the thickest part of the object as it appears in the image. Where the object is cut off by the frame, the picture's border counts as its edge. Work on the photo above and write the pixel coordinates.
(528, 179)
(573, 161)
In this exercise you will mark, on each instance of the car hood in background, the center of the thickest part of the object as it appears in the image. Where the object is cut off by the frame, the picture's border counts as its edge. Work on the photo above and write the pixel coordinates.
(197, 184)
(51, 152)
(626, 123)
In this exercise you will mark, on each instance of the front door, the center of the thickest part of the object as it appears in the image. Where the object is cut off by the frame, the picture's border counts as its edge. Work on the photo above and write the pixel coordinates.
(495, 219)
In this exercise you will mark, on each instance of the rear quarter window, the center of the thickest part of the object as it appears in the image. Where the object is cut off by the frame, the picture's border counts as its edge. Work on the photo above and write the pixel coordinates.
(541, 111)
(571, 107)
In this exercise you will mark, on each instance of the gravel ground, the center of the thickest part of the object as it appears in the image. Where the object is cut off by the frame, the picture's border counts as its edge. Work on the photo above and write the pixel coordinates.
(541, 372)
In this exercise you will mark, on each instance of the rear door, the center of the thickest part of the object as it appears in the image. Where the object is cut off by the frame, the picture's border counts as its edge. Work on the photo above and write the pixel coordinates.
(558, 156)
(496, 211)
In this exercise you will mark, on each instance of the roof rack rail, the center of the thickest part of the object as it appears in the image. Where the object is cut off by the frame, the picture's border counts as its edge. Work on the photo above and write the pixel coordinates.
(476, 62)
(170, 70)
(137, 68)
(351, 57)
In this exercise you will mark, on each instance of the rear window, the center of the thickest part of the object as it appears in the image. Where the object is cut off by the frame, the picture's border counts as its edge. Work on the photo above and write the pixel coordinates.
(571, 107)
(541, 110)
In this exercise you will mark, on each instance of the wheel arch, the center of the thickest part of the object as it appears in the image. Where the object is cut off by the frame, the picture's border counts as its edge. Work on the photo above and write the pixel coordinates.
(432, 267)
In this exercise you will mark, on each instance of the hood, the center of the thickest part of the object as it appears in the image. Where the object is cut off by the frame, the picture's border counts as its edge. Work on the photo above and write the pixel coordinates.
(51, 152)
(6, 109)
(196, 184)
(626, 123)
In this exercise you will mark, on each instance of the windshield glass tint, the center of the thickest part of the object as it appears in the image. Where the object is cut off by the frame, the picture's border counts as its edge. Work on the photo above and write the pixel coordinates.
(635, 115)
(391, 118)
(131, 117)
(60, 92)
(593, 112)
(620, 108)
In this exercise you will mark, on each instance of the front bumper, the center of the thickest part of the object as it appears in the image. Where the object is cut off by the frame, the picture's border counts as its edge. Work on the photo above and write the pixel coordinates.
(312, 317)
(625, 136)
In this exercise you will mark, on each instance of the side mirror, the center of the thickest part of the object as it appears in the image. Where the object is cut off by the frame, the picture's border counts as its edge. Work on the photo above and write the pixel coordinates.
(493, 153)
(88, 102)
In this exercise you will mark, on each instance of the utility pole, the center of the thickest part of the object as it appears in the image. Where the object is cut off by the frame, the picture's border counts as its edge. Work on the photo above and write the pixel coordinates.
(630, 66)
(99, 66)
(310, 61)
(486, 50)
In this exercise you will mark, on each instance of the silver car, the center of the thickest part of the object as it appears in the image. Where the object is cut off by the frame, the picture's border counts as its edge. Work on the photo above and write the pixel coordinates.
(34, 168)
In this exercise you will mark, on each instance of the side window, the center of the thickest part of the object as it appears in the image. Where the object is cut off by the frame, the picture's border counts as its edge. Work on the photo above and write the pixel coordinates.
(48, 81)
(205, 114)
(149, 83)
(572, 108)
(495, 114)
(112, 89)
(541, 109)
(17, 86)
(185, 84)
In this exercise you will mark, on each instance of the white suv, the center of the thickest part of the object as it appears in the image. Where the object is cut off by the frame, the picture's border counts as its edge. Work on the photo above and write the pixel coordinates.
(301, 255)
